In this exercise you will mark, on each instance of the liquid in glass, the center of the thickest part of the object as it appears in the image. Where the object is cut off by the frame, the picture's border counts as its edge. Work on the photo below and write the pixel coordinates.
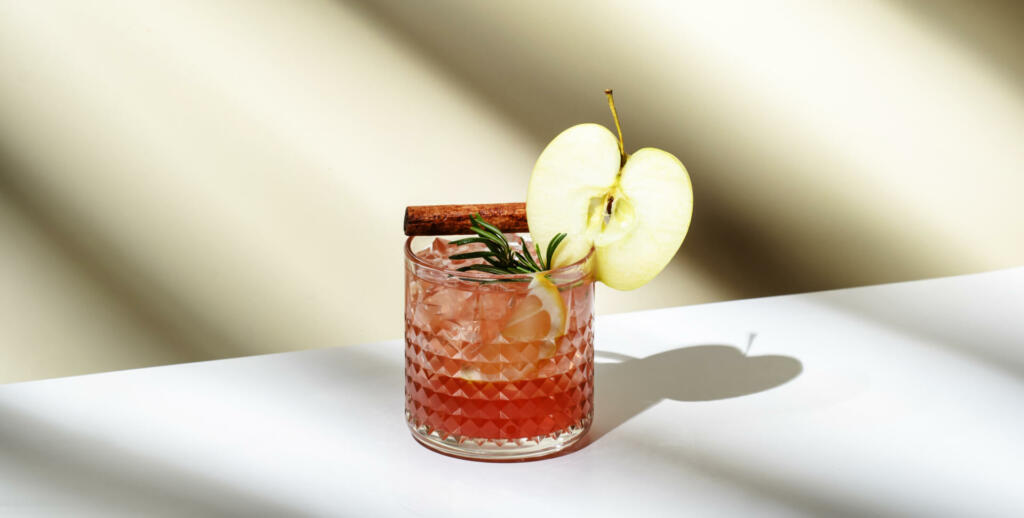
(489, 373)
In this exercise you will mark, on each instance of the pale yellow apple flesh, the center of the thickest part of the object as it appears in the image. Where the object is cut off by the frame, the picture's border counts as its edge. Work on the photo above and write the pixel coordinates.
(575, 181)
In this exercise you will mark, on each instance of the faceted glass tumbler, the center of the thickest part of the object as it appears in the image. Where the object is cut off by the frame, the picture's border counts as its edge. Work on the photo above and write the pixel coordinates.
(478, 384)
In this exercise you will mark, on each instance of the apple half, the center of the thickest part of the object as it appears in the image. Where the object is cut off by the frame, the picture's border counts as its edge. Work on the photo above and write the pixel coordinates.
(635, 216)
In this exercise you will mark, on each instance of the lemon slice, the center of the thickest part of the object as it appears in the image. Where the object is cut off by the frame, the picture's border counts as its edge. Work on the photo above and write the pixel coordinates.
(538, 316)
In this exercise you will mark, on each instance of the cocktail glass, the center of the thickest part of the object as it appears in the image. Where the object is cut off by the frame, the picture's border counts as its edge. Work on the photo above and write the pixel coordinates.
(485, 377)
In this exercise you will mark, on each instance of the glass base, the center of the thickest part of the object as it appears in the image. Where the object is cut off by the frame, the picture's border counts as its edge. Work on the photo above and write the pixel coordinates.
(499, 449)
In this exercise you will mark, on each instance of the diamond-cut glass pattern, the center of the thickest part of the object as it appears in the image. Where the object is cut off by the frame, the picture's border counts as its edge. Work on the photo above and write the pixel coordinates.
(468, 385)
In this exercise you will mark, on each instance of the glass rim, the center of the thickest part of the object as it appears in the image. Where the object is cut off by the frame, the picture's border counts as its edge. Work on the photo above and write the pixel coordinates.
(411, 256)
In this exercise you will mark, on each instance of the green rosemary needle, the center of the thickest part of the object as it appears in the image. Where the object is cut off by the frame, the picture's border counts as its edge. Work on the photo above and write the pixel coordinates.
(501, 258)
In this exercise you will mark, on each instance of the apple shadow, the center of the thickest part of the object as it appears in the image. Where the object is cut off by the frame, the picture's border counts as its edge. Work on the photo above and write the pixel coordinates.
(626, 386)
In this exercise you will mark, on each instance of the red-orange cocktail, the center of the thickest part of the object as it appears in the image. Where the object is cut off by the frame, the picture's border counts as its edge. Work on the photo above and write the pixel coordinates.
(497, 366)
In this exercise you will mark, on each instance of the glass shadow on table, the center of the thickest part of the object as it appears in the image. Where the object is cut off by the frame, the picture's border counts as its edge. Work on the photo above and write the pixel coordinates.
(626, 386)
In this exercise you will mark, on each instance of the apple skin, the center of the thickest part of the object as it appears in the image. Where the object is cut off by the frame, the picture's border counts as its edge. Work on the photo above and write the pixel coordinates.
(577, 177)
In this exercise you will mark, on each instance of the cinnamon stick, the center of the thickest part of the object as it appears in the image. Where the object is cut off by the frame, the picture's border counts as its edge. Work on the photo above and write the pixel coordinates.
(446, 220)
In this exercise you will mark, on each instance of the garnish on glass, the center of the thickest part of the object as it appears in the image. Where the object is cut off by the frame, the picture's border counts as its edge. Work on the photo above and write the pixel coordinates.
(502, 259)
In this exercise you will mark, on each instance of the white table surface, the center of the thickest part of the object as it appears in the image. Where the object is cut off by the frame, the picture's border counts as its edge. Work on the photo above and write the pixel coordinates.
(892, 400)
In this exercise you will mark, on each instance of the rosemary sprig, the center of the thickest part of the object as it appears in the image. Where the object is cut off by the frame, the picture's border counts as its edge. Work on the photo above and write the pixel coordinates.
(501, 258)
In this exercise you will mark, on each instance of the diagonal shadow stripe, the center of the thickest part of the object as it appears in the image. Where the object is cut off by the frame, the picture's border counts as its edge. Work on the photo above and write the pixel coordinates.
(90, 470)
(167, 320)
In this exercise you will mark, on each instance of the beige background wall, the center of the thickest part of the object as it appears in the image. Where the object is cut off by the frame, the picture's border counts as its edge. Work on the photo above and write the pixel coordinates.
(192, 180)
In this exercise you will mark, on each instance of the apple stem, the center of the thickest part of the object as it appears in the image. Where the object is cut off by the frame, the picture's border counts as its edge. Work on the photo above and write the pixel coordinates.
(618, 128)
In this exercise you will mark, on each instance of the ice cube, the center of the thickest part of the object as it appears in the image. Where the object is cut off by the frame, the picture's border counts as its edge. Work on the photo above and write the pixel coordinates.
(436, 253)
(440, 246)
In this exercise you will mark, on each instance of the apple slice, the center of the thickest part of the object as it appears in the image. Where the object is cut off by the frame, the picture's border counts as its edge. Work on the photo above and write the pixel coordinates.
(635, 216)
